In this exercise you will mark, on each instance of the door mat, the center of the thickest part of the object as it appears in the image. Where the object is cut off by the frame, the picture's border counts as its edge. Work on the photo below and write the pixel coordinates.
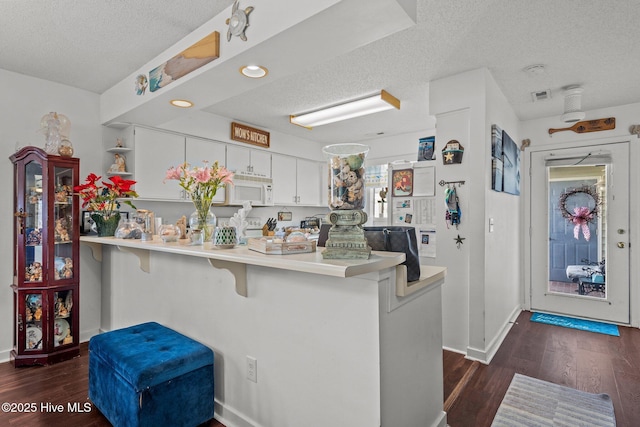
(570, 322)
(532, 402)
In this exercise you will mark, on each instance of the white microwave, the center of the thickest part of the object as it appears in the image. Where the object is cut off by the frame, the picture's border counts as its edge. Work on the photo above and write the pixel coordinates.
(258, 191)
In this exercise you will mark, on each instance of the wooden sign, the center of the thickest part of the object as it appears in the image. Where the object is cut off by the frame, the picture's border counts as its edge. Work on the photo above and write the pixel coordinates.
(589, 126)
(244, 133)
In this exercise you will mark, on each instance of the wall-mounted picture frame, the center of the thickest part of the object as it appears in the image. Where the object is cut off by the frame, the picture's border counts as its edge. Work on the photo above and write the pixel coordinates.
(426, 148)
(511, 165)
(496, 158)
(285, 216)
(402, 181)
(496, 141)
(87, 225)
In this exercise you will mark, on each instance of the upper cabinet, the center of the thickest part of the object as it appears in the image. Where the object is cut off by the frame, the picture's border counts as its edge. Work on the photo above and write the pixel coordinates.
(245, 161)
(296, 181)
(145, 155)
(156, 152)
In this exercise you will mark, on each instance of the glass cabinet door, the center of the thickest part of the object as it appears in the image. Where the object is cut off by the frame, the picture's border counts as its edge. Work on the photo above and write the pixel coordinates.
(63, 324)
(32, 220)
(63, 223)
(33, 321)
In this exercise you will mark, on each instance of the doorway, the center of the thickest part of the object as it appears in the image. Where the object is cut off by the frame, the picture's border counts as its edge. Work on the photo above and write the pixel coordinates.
(579, 232)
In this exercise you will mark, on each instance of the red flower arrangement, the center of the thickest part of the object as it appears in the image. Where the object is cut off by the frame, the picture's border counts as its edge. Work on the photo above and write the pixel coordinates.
(105, 198)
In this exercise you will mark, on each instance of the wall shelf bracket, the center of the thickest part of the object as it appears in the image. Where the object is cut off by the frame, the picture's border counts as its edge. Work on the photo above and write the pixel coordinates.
(96, 250)
(238, 270)
(142, 254)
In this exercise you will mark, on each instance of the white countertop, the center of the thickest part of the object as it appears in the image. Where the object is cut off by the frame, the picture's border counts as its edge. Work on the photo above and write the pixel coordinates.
(307, 262)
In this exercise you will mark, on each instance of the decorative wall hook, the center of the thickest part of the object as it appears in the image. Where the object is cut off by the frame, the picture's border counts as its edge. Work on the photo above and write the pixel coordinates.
(443, 183)
(459, 241)
(525, 144)
(635, 130)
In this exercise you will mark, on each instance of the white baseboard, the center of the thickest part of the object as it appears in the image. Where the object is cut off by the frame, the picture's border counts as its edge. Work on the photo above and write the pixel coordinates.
(485, 356)
(441, 421)
(86, 335)
(230, 417)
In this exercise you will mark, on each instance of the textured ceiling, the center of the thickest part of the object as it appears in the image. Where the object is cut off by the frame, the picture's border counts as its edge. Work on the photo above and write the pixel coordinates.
(93, 44)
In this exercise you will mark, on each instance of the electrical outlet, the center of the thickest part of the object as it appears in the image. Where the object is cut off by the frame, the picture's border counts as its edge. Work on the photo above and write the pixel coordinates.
(252, 369)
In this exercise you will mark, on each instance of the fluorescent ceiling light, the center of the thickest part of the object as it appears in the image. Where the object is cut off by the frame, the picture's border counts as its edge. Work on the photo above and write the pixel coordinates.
(373, 104)
(182, 103)
(254, 71)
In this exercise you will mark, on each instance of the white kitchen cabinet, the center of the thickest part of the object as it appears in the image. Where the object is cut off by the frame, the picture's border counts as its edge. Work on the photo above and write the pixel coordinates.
(247, 161)
(199, 150)
(284, 179)
(155, 153)
(296, 181)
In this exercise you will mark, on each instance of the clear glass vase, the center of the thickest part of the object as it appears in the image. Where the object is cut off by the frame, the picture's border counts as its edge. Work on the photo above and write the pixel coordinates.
(346, 174)
(203, 219)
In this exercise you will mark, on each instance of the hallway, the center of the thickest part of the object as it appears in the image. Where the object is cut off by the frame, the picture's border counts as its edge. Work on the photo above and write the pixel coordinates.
(587, 361)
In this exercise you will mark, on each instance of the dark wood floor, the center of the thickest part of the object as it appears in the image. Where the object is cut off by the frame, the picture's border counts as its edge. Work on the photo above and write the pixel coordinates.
(584, 360)
(59, 384)
(587, 361)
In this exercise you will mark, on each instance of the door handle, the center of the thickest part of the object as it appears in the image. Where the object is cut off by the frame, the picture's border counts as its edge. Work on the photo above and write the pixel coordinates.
(621, 245)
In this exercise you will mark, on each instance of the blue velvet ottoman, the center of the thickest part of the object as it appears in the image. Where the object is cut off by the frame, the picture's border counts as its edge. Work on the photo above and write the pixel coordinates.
(150, 375)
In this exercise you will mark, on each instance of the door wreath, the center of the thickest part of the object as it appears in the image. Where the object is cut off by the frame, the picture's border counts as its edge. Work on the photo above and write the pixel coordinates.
(581, 216)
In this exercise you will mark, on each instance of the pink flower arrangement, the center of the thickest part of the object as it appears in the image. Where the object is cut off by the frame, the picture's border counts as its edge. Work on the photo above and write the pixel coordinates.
(201, 183)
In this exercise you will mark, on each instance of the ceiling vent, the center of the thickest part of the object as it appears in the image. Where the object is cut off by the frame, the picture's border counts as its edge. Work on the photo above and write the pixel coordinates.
(542, 95)
(573, 104)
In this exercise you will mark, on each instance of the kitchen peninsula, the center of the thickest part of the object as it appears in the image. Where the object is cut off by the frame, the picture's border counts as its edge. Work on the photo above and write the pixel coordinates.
(334, 345)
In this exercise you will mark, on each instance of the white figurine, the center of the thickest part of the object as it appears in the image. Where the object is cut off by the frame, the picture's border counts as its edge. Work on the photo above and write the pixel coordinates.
(239, 220)
(119, 164)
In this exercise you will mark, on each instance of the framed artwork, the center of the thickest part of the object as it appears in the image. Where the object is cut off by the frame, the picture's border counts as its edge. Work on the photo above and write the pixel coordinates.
(402, 181)
(510, 165)
(426, 148)
(87, 225)
(285, 216)
(496, 174)
(190, 59)
(496, 142)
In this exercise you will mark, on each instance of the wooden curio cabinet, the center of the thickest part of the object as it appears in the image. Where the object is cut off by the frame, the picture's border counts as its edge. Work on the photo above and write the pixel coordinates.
(46, 272)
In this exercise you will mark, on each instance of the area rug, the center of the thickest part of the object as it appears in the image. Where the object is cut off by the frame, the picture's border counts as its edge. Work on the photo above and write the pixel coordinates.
(532, 402)
(570, 322)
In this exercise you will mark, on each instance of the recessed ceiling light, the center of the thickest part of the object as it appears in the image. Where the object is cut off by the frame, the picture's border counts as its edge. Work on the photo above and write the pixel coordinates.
(535, 70)
(254, 71)
(182, 103)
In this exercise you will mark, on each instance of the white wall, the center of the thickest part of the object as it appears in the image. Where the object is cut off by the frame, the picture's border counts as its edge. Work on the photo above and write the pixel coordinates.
(482, 291)
(26, 100)
(626, 115)
(503, 293)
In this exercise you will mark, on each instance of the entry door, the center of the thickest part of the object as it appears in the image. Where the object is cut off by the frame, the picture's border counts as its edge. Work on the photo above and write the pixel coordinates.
(564, 248)
(566, 184)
